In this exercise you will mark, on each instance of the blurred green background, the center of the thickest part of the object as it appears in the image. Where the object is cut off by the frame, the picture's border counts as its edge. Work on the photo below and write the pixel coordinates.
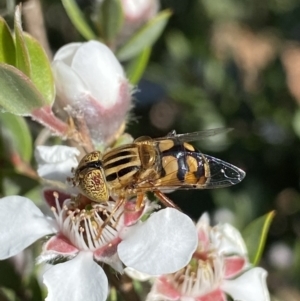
(222, 63)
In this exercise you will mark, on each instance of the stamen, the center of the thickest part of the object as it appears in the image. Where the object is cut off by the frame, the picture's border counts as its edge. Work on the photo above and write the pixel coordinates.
(198, 277)
(81, 226)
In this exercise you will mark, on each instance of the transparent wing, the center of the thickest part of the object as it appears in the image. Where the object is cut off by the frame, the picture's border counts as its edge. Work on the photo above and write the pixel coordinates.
(222, 174)
(181, 138)
(193, 136)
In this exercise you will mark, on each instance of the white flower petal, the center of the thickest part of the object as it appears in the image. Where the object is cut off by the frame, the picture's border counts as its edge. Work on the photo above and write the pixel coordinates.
(161, 245)
(204, 220)
(134, 274)
(76, 280)
(66, 53)
(228, 240)
(56, 162)
(21, 224)
(98, 67)
(250, 286)
(69, 86)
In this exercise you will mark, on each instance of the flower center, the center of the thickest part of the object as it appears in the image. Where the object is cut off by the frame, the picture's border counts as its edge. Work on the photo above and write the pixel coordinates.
(199, 277)
(83, 226)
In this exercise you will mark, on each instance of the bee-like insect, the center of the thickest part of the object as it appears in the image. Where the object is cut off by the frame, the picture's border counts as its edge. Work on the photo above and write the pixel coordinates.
(156, 165)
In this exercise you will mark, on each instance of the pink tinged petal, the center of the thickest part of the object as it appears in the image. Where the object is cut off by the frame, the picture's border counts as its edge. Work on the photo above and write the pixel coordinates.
(48, 195)
(137, 12)
(60, 245)
(22, 223)
(131, 215)
(161, 245)
(216, 295)
(92, 82)
(108, 254)
(109, 120)
(203, 229)
(56, 162)
(234, 265)
(98, 67)
(75, 280)
(163, 288)
(250, 286)
(133, 9)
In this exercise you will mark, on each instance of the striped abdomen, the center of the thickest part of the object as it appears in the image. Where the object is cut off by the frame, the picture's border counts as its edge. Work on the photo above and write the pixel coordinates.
(182, 164)
(121, 165)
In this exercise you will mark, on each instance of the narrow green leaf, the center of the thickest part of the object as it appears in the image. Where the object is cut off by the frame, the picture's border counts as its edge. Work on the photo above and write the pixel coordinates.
(255, 235)
(78, 20)
(41, 72)
(18, 133)
(18, 95)
(137, 66)
(22, 56)
(111, 17)
(7, 294)
(7, 46)
(145, 36)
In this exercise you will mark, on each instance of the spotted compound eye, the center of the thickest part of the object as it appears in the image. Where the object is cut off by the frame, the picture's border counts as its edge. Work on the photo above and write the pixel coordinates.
(89, 159)
(90, 178)
(93, 185)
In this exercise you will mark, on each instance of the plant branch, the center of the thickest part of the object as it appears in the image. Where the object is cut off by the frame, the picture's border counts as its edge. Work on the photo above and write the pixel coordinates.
(35, 25)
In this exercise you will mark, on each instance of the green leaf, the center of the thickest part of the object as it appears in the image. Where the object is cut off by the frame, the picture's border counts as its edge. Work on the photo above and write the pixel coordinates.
(7, 46)
(137, 66)
(16, 130)
(111, 17)
(18, 95)
(35, 289)
(255, 235)
(22, 56)
(145, 36)
(78, 20)
(8, 294)
(41, 72)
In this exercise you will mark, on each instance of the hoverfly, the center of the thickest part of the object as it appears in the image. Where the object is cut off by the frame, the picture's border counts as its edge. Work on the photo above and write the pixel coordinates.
(158, 165)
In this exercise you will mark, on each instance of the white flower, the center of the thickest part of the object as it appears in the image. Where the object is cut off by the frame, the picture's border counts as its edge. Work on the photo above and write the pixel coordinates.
(162, 244)
(91, 81)
(135, 14)
(138, 11)
(219, 267)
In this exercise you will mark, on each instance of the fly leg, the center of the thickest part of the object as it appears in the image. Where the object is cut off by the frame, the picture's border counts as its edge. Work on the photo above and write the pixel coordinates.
(119, 203)
(164, 199)
(139, 201)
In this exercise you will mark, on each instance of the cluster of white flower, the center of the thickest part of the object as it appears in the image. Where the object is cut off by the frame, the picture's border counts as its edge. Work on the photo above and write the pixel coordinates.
(184, 261)
(163, 244)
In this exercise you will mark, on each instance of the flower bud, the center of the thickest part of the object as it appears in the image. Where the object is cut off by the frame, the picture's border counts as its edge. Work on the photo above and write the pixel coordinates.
(136, 13)
(91, 84)
(139, 10)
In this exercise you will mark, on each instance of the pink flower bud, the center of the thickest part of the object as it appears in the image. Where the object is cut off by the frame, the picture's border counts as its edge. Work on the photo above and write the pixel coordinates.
(139, 10)
(91, 84)
(136, 14)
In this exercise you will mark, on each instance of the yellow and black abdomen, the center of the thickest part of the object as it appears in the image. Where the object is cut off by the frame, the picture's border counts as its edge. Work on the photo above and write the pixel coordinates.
(121, 165)
(182, 165)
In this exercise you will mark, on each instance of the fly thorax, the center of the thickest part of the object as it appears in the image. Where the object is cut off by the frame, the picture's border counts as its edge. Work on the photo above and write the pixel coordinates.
(147, 155)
